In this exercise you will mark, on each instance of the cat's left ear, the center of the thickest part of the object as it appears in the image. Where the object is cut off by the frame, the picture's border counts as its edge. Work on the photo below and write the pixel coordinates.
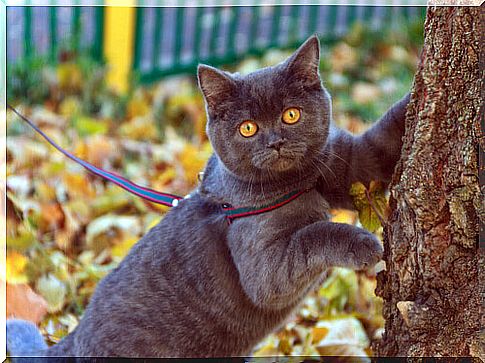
(305, 61)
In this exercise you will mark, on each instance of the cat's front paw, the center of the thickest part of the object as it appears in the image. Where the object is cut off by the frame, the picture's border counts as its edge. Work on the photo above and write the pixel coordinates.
(366, 250)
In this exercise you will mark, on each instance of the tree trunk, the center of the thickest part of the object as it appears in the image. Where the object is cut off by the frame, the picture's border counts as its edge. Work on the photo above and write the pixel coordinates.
(431, 287)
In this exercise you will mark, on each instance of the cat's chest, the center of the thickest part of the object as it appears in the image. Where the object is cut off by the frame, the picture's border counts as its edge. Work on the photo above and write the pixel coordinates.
(308, 208)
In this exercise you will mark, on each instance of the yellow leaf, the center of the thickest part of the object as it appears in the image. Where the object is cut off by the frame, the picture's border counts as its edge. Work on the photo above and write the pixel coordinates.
(152, 223)
(20, 237)
(70, 106)
(77, 186)
(367, 202)
(139, 128)
(343, 216)
(284, 346)
(44, 192)
(378, 197)
(319, 334)
(193, 161)
(120, 250)
(164, 178)
(15, 268)
(69, 76)
(137, 106)
(160, 207)
(86, 126)
(268, 347)
(81, 150)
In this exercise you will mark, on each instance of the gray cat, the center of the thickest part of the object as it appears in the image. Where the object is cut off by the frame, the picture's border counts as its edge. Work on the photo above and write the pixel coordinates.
(199, 286)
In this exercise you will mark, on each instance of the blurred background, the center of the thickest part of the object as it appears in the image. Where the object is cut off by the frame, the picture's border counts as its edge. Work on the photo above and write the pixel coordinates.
(117, 87)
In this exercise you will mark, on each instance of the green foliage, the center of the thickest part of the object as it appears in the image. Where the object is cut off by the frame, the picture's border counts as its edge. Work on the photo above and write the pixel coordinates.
(26, 81)
(385, 59)
(86, 126)
(371, 203)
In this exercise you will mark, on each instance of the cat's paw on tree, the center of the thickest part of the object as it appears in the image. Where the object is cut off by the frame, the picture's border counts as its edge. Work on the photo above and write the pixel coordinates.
(366, 250)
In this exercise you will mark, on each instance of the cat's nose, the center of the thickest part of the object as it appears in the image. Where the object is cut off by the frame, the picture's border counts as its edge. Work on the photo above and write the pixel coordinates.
(276, 144)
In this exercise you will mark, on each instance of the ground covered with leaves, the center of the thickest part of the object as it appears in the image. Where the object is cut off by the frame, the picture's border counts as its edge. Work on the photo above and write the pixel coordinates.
(66, 228)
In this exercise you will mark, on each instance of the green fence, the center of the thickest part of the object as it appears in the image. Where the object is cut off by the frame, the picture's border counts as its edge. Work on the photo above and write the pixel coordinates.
(174, 40)
(44, 32)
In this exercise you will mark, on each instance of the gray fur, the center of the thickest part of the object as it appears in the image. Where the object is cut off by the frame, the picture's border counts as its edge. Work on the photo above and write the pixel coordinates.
(195, 286)
(23, 337)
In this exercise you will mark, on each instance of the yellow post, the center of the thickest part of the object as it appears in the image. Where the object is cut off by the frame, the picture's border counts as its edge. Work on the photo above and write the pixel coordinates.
(119, 25)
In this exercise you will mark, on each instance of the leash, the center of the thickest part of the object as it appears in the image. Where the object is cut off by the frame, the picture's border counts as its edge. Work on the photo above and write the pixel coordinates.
(233, 213)
(166, 199)
(169, 200)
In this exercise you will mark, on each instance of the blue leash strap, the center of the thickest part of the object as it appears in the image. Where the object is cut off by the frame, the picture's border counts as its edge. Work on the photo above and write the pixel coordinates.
(169, 200)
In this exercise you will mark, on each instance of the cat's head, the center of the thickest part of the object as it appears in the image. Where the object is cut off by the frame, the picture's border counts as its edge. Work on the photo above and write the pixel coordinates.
(271, 122)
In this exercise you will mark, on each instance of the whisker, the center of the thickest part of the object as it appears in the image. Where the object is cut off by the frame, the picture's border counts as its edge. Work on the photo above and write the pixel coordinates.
(329, 169)
(326, 166)
(321, 173)
(331, 153)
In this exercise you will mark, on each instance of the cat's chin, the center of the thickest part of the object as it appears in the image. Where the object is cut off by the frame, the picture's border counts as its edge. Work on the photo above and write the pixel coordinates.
(280, 164)
(283, 164)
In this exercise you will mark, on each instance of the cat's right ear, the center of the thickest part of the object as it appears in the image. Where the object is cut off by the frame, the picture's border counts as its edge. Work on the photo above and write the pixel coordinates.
(214, 84)
(304, 63)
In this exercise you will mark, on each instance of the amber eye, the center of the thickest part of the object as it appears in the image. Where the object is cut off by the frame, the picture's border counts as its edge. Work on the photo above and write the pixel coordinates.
(248, 128)
(291, 115)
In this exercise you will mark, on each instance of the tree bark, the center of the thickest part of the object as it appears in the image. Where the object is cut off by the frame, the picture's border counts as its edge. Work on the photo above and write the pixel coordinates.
(431, 286)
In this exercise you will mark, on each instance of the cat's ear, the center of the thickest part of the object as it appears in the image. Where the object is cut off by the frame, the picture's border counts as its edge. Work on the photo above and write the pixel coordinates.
(305, 61)
(214, 84)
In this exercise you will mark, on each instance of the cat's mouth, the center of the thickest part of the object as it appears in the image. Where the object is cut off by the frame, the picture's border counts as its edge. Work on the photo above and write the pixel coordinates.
(278, 160)
(281, 163)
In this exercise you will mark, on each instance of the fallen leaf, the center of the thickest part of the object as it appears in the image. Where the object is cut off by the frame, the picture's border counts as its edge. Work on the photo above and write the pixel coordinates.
(15, 268)
(319, 333)
(22, 240)
(267, 347)
(345, 337)
(363, 93)
(77, 186)
(69, 76)
(70, 106)
(51, 217)
(138, 105)
(53, 291)
(70, 321)
(140, 128)
(120, 250)
(86, 126)
(104, 223)
(343, 57)
(193, 161)
(44, 192)
(24, 303)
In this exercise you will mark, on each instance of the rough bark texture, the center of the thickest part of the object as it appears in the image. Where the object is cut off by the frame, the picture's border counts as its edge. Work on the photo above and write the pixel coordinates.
(431, 288)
